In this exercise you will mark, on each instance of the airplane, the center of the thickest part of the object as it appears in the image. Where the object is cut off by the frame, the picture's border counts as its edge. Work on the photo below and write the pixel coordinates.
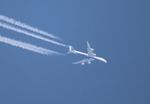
(91, 56)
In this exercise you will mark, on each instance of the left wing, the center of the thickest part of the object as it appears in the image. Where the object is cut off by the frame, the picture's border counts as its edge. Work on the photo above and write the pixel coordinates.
(90, 50)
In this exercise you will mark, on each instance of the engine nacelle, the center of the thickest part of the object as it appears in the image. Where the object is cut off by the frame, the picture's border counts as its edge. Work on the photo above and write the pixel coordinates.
(82, 63)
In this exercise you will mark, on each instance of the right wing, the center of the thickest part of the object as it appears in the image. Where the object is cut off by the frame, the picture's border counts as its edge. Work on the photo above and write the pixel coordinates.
(82, 62)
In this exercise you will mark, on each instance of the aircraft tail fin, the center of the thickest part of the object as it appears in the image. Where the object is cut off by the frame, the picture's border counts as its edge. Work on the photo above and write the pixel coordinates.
(71, 49)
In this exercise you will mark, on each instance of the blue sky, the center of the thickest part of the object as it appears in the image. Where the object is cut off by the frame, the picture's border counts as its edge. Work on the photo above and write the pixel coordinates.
(117, 29)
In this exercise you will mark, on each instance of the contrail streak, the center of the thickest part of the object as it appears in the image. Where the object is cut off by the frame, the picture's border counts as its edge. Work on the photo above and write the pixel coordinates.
(27, 46)
(27, 27)
(9, 27)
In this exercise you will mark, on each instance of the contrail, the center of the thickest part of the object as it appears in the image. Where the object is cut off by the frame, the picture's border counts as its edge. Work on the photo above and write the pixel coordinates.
(27, 27)
(27, 46)
(9, 27)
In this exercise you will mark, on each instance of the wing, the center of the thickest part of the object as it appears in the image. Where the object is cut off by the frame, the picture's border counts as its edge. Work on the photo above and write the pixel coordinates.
(82, 62)
(89, 47)
(90, 50)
